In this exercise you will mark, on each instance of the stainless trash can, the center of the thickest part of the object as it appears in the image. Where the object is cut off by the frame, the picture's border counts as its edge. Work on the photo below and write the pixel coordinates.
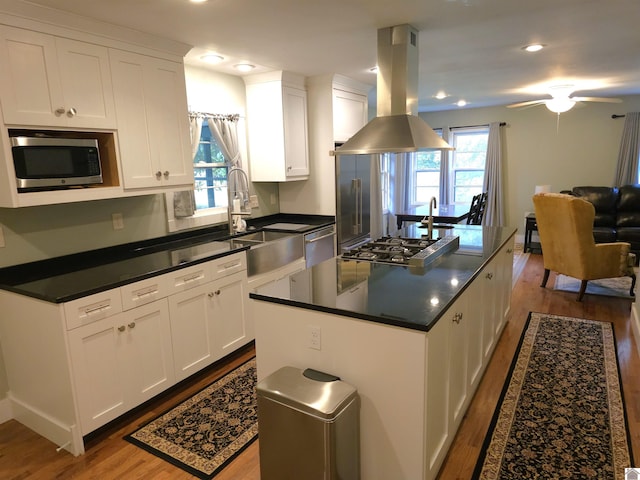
(308, 426)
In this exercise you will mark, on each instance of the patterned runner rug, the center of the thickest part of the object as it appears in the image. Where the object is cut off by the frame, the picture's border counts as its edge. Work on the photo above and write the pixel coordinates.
(561, 413)
(205, 432)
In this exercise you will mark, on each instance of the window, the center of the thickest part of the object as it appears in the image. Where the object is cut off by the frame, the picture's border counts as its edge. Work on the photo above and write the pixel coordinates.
(425, 175)
(465, 169)
(210, 172)
(467, 163)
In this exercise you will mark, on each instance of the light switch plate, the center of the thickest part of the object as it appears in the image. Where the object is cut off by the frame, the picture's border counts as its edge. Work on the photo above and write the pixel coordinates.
(1, 237)
(253, 201)
(117, 220)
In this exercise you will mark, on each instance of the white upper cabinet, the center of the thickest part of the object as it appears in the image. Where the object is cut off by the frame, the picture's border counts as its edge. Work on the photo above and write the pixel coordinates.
(153, 125)
(277, 127)
(349, 113)
(54, 82)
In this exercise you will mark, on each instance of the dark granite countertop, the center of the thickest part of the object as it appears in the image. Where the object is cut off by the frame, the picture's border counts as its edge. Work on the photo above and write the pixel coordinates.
(67, 278)
(403, 296)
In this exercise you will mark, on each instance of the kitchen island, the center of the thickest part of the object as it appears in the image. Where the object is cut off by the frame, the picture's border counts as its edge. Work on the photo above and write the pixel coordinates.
(413, 341)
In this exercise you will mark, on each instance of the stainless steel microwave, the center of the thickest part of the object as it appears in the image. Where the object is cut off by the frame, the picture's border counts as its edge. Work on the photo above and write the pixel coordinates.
(45, 163)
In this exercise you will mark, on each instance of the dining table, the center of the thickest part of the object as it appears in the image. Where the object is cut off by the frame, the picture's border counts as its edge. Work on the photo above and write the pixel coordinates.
(441, 214)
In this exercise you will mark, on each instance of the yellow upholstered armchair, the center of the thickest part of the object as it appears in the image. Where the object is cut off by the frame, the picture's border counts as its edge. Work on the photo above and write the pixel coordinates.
(565, 227)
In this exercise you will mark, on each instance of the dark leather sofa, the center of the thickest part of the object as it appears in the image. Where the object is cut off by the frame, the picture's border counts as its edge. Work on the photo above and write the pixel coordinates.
(617, 213)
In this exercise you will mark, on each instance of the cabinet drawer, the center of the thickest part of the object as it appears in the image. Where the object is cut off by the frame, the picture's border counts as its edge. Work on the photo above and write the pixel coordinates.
(94, 307)
(189, 277)
(223, 266)
(145, 291)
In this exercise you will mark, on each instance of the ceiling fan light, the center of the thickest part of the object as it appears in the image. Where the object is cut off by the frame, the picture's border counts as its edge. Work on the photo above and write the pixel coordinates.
(559, 105)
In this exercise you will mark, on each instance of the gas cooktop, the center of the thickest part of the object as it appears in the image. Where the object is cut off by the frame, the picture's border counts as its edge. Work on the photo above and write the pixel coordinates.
(403, 251)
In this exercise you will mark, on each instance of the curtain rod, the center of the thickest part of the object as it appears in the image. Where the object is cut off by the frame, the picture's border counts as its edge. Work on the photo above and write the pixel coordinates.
(614, 116)
(502, 124)
(230, 116)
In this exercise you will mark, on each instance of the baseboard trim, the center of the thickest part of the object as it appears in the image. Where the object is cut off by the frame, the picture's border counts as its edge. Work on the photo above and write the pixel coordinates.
(635, 324)
(66, 436)
(5, 410)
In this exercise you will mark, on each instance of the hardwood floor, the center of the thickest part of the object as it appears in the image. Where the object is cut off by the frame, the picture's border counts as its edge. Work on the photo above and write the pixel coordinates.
(26, 455)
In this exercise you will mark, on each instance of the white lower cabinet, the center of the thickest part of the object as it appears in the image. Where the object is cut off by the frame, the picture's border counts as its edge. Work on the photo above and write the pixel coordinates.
(208, 322)
(73, 367)
(120, 362)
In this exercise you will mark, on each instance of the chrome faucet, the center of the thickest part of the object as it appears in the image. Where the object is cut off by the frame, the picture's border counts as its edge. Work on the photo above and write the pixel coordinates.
(432, 204)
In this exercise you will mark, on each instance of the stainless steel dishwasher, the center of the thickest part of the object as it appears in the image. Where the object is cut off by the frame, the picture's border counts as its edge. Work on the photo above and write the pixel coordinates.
(320, 245)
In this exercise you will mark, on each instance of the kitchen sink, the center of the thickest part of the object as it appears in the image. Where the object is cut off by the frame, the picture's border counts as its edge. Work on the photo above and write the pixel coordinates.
(270, 250)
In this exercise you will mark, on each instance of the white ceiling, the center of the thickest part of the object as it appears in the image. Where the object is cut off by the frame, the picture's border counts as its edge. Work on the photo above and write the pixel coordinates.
(471, 49)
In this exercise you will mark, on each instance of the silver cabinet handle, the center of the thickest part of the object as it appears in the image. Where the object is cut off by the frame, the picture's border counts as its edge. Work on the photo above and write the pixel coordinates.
(166, 174)
(158, 174)
(121, 328)
(509, 250)
(132, 324)
(212, 294)
(489, 275)
(289, 168)
(60, 111)
(317, 239)
(72, 112)
(457, 317)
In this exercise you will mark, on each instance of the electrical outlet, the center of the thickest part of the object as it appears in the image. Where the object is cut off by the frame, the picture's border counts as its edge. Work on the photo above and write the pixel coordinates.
(253, 201)
(1, 237)
(117, 220)
(315, 337)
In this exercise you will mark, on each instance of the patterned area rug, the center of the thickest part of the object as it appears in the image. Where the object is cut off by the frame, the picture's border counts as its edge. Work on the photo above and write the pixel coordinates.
(204, 433)
(610, 287)
(561, 413)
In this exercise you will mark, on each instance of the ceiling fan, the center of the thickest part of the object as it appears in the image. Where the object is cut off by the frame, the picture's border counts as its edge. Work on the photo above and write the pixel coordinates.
(561, 101)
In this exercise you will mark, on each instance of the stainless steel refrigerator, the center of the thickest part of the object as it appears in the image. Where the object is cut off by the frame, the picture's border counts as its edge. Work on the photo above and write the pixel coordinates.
(353, 200)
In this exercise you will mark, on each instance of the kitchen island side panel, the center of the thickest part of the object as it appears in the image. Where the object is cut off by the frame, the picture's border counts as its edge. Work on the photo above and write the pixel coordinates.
(386, 364)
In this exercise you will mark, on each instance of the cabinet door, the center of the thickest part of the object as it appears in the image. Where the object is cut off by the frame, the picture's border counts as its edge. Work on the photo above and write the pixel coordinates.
(99, 369)
(86, 82)
(437, 396)
(505, 279)
(295, 132)
(230, 326)
(148, 351)
(192, 331)
(349, 114)
(120, 362)
(50, 81)
(169, 122)
(460, 320)
(474, 323)
(30, 85)
(153, 126)
(488, 281)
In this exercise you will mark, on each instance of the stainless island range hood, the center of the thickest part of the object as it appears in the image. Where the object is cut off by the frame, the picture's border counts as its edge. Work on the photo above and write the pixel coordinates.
(397, 128)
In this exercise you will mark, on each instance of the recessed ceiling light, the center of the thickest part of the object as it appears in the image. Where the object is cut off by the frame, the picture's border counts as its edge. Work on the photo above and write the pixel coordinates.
(440, 95)
(534, 47)
(461, 103)
(197, 1)
(244, 67)
(212, 58)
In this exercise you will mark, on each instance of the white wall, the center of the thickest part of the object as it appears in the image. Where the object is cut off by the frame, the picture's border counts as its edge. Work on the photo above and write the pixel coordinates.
(579, 149)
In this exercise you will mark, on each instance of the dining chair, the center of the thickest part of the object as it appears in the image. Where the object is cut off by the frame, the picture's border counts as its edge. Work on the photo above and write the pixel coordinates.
(476, 211)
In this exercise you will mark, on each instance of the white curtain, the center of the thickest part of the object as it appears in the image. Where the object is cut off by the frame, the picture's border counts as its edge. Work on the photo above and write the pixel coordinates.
(494, 212)
(224, 128)
(184, 202)
(629, 153)
(399, 179)
(444, 169)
